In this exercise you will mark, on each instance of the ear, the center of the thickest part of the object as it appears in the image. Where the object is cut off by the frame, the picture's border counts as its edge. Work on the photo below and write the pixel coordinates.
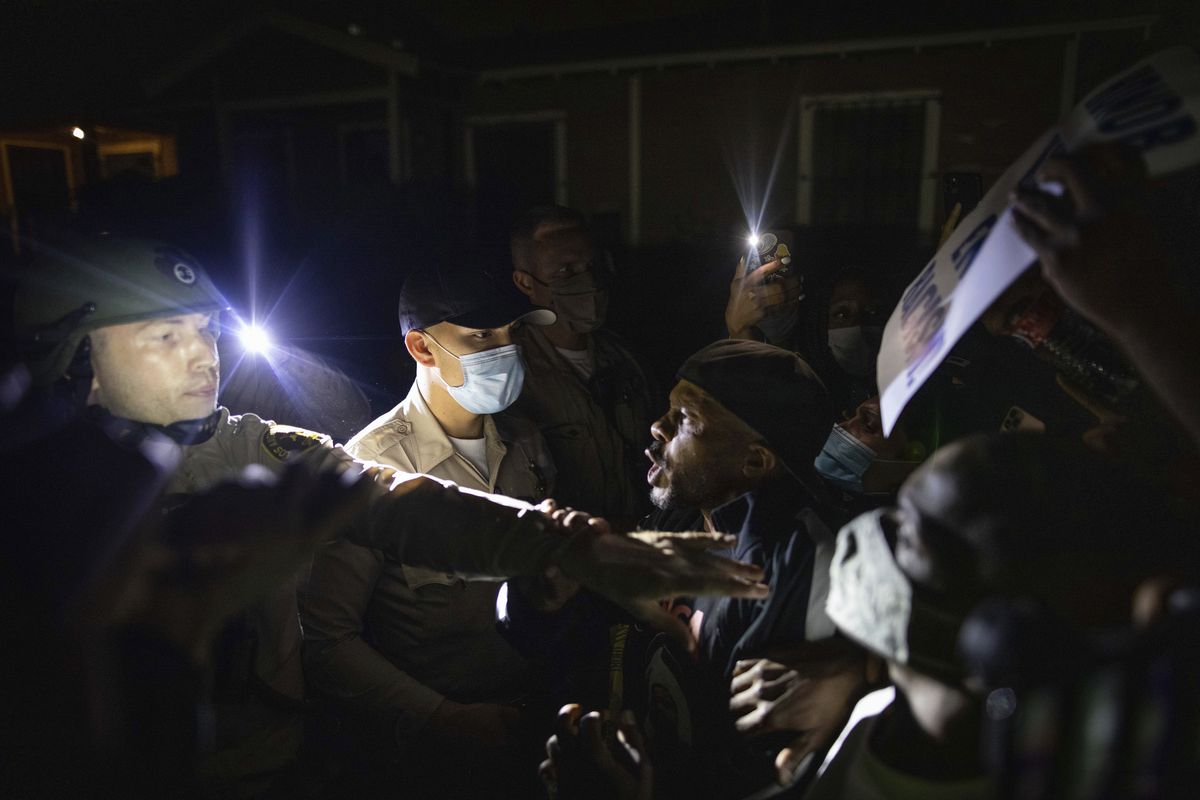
(418, 348)
(523, 281)
(760, 462)
(93, 398)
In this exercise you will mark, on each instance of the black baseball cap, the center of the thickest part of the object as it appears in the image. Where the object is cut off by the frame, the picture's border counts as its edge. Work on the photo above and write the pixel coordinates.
(772, 390)
(464, 296)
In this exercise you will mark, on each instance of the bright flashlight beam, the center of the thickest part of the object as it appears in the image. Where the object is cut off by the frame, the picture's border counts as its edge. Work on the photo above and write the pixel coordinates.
(752, 239)
(255, 339)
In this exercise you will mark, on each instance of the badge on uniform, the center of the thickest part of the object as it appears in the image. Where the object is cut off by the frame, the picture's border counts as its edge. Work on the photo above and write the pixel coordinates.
(284, 441)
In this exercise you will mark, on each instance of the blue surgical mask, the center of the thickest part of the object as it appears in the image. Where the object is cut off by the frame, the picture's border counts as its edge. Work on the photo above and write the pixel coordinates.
(492, 379)
(844, 460)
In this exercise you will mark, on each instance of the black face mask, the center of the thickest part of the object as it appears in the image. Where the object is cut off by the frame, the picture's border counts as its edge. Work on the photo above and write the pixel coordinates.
(130, 432)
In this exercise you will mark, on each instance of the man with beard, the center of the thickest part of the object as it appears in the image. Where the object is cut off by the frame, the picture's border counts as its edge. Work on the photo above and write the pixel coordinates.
(584, 389)
(744, 423)
(737, 442)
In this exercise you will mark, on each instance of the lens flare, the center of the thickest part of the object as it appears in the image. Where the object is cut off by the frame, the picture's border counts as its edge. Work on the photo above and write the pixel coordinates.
(255, 339)
(752, 239)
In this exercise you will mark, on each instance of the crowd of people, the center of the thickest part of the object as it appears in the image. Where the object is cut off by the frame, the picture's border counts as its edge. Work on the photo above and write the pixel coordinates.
(548, 569)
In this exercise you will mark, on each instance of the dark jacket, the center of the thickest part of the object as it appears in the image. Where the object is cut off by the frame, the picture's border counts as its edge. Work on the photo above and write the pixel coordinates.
(778, 530)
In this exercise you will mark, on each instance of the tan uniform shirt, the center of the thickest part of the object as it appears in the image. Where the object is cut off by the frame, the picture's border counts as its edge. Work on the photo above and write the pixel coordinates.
(257, 738)
(394, 639)
(596, 429)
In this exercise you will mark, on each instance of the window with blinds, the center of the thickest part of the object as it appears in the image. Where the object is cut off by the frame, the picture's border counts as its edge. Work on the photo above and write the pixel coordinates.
(868, 160)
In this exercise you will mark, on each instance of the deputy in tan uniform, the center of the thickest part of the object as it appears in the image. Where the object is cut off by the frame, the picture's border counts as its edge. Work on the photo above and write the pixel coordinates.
(399, 641)
(128, 328)
(585, 390)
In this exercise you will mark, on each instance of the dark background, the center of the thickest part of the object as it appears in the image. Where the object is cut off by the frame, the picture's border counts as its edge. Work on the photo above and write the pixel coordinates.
(284, 185)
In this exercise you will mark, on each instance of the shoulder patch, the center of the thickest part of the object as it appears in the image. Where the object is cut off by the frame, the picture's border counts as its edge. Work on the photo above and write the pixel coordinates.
(283, 441)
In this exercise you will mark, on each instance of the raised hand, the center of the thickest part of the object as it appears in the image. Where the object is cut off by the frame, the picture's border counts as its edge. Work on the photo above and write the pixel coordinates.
(585, 763)
(639, 570)
(227, 548)
(1095, 241)
(752, 296)
(808, 690)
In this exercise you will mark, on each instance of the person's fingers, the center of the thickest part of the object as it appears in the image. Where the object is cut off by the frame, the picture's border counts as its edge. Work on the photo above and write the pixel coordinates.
(742, 666)
(549, 778)
(554, 749)
(1047, 211)
(759, 275)
(726, 586)
(599, 526)
(777, 294)
(739, 272)
(567, 720)
(591, 737)
(685, 540)
(566, 731)
(1033, 235)
(654, 615)
(1151, 599)
(745, 701)
(633, 747)
(773, 686)
(703, 574)
(1066, 171)
(630, 736)
(794, 760)
(754, 723)
(759, 669)
(576, 521)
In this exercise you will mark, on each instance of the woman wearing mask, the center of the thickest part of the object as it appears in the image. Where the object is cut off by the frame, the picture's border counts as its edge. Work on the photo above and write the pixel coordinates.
(839, 335)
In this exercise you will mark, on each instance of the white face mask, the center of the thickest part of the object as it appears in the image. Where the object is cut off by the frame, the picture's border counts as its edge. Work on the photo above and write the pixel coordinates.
(492, 379)
(870, 599)
(873, 602)
(855, 348)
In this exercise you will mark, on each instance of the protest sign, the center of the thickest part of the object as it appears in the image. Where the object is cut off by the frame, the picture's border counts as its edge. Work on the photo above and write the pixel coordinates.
(1154, 107)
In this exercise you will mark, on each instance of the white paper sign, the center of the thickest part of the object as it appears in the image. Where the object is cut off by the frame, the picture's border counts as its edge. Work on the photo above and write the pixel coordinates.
(1153, 106)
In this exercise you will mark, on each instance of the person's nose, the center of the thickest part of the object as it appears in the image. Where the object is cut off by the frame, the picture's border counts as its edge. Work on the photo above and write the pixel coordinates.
(660, 430)
(202, 353)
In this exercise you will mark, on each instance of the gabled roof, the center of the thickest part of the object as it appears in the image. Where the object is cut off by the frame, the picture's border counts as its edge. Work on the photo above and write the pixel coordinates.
(321, 35)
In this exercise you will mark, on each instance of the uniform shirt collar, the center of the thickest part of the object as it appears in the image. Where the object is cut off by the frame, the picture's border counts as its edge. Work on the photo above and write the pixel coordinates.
(434, 446)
